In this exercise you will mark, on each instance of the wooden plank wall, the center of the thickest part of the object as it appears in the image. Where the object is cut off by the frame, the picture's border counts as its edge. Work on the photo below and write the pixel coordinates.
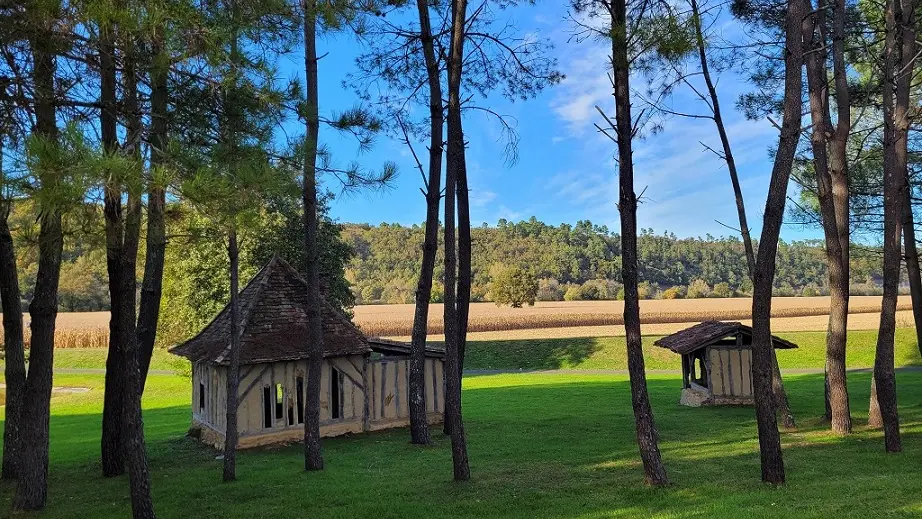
(215, 386)
(731, 371)
(389, 382)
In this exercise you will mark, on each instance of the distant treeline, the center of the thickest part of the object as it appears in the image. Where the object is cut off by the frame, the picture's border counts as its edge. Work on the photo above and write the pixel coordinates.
(583, 261)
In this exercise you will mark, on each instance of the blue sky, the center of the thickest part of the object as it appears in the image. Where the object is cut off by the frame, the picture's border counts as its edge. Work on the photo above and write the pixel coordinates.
(566, 170)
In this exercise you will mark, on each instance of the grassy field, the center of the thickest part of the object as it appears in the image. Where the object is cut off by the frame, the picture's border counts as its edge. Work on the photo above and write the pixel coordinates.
(540, 445)
(610, 352)
(95, 358)
(588, 353)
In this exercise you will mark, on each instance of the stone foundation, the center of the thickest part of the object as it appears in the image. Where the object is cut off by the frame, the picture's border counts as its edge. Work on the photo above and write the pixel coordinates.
(694, 397)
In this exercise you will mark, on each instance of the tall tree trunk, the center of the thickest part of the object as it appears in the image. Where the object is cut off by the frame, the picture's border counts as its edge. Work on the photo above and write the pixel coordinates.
(840, 411)
(912, 260)
(313, 456)
(419, 425)
(782, 406)
(769, 438)
(133, 444)
(899, 59)
(875, 420)
(152, 284)
(781, 398)
(456, 309)
(113, 463)
(647, 436)
(32, 488)
(828, 143)
(134, 448)
(449, 306)
(463, 302)
(233, 369)
(135, 451)
(13, 347)
(724, 139)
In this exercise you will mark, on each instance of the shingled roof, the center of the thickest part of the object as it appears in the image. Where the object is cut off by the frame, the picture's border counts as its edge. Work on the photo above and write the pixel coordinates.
(709, 332)
(273, 323)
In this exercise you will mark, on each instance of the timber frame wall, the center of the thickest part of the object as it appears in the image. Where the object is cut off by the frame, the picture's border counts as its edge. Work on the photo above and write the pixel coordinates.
(730, 371)
(359, 393)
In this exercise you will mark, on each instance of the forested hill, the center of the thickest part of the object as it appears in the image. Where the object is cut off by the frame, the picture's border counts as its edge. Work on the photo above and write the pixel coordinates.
(583, 261)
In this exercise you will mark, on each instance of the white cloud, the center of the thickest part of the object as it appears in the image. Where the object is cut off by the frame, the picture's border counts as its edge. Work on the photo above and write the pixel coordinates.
(586, 85)
(481, 197)
(509, 214)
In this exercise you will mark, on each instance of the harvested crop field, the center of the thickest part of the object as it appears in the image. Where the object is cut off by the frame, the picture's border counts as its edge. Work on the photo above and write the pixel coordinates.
(816, 323)
(547, 320)
(397, 320)
(76, 330)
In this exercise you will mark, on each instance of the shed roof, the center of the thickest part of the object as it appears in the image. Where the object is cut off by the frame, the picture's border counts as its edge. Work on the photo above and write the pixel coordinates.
(709, 332)
(273, 323)
(391, 347)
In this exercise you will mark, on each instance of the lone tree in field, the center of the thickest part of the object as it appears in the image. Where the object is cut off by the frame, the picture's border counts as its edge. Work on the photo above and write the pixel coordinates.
(514, 286)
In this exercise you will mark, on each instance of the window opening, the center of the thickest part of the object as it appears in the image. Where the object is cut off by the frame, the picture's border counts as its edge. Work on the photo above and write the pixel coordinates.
(267, 407)
(300, 387)
(279, 401)
(335, 400)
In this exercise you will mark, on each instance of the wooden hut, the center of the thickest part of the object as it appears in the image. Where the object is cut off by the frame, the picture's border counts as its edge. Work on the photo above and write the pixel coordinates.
(716, 362)
(364, 381)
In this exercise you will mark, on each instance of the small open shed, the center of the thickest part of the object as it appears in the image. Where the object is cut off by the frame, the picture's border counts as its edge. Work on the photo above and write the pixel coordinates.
(364, 380)
(716, 362)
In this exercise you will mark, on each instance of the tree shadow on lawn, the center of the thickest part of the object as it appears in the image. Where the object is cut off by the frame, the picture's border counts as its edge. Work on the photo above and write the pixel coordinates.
(564, 353)
(549, 449)
(536, 354)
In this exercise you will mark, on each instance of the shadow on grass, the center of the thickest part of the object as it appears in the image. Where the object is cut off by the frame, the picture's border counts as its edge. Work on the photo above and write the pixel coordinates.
(553, 446)
(533, 354)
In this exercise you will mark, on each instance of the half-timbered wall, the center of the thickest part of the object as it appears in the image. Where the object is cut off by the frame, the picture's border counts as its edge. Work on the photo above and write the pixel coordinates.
(289, 380)
(272, 398)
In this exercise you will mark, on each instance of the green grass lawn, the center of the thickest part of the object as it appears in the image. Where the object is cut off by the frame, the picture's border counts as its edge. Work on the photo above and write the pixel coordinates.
(610, 352)
(95, 358)
(541, 445)
(588, 353)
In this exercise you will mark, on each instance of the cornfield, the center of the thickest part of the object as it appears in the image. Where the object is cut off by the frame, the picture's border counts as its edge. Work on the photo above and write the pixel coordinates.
(89, 330)
(397, 320)
(75, 330)
(74, 338)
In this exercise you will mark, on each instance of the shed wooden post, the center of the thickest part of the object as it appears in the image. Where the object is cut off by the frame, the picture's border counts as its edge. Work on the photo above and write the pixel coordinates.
(366, 413)
(685, 374)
